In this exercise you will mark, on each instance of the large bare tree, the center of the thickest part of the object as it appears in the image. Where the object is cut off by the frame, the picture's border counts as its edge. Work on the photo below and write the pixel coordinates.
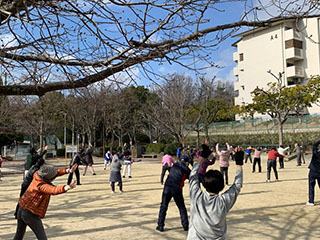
(83, 42)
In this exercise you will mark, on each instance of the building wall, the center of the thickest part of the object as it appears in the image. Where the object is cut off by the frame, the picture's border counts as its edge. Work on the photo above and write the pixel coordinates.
(265, 50)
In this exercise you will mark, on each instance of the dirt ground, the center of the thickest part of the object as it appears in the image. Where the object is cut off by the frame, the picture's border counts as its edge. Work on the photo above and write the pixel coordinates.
(263, 210)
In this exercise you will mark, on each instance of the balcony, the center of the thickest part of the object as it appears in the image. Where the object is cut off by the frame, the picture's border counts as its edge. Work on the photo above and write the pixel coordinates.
(294, 54)
(235, 57)
(236, 71)
(292, 34)
(295, 72)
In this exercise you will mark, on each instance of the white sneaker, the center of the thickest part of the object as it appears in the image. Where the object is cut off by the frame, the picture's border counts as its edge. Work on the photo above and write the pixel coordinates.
(309, 204)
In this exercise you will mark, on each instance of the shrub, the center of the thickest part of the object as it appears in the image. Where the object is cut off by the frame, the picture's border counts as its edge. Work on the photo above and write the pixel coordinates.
(61, 152)
(171, 148)
(155, 148)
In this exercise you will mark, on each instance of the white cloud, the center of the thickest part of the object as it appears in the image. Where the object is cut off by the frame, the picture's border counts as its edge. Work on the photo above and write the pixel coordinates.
(7, 40)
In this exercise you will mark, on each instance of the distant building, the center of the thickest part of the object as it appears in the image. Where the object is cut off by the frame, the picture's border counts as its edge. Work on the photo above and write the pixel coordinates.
(291, 47)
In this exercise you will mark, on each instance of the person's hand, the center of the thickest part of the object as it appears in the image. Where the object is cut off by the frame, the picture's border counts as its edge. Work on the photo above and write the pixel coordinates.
(46, 147)
(73, 184)
(74, 167)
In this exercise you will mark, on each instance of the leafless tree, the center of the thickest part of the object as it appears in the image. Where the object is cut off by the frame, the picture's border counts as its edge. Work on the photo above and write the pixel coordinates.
(83, 42)
(171, 112)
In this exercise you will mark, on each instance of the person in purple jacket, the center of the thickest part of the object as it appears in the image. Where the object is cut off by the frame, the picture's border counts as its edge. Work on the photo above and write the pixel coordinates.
(224, 160)
(205, 164)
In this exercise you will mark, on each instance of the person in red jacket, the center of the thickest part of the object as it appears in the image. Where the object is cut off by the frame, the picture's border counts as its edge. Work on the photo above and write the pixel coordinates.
(34, 202)
(272, 163)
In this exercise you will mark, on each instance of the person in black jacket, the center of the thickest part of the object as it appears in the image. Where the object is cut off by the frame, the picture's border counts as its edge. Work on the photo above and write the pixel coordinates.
(314, 172)
(28, 179)
(88, 160)
(238, 155)
(173, 189)
(77, 159)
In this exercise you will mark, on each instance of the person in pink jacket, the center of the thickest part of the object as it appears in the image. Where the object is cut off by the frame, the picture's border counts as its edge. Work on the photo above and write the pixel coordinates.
(224, 160)
(167, 162)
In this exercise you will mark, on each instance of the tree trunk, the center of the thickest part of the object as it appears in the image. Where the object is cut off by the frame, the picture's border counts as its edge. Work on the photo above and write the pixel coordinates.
(198, 139)
(112, 141)
(280, 127)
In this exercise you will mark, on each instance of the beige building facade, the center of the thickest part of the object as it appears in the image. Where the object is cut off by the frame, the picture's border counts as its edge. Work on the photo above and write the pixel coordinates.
(290, 47)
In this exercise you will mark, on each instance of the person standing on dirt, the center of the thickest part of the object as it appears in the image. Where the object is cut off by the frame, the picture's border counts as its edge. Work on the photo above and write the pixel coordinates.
(34, 202)
(297, 150)
(115, 172)
(166, 162)
(28, 179)
(248, 154)
(88, 160)
(173, 189)
(314, 172)
(77, 159)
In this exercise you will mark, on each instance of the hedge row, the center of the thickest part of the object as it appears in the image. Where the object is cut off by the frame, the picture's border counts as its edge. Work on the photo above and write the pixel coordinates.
(307, 138)
(170, 148)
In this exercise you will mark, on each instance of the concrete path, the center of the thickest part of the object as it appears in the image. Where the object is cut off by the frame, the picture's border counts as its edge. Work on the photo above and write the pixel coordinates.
(263, 210)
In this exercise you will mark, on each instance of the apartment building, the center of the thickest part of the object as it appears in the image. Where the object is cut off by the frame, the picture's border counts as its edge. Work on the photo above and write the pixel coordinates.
(290, 47)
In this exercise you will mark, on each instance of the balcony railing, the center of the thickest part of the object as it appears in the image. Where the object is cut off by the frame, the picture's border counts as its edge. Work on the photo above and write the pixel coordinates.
(294, 54)
(295, 72)
(236, 56)
(292, 34)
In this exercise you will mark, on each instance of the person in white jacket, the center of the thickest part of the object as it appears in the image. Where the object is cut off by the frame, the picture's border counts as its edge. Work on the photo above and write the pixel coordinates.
(282, 151)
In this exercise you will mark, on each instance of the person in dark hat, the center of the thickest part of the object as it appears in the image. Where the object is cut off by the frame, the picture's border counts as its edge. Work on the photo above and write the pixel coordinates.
(28, 179)
(173, 186)
(34, 202)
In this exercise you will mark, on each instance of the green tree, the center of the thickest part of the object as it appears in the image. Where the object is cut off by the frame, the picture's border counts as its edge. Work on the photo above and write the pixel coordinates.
(280, 101)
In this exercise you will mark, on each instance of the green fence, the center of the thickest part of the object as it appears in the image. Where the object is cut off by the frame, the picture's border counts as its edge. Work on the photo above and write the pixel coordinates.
(302, 123)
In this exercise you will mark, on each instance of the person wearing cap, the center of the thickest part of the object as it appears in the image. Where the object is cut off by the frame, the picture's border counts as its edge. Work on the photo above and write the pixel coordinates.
(28, 179)
(34, 202)
(173, 186)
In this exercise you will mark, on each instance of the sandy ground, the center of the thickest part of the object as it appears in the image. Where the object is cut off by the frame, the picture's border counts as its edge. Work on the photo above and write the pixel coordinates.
(263, 210)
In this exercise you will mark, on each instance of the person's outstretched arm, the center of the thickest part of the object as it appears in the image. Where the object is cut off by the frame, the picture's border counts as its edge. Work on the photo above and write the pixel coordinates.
(194, 183)
(230, 196)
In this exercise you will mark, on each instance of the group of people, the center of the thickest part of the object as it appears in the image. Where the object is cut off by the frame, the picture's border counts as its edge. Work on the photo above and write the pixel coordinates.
(208, 208)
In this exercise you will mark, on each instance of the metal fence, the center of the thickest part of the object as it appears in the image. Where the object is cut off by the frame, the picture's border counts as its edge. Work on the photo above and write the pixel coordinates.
(293, 124)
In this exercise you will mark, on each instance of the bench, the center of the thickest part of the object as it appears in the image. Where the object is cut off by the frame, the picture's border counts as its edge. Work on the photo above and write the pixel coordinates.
(149, 155)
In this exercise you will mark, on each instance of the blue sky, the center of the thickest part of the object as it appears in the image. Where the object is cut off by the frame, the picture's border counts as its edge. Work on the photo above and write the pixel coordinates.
(222, 55)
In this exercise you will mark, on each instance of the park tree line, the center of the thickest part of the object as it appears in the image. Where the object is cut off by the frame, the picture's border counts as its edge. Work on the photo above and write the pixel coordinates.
(109, 115)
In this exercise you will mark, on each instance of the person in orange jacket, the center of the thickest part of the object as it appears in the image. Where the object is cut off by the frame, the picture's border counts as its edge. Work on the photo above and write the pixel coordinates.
(34, 202)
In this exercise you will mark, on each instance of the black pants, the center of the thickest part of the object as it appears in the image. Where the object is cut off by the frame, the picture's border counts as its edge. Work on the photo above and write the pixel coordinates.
(113, 187)
(163, 172)
(299, 159)
(26, 218)
(255, 161)
(224, 171)
(281, 162)
(167, 194)
(313, 177)
(272, 164)
(77, 176)
(248, 156)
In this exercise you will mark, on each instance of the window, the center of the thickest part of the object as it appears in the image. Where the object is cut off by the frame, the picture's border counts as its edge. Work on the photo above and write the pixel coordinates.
(293, 43)
(241, 57)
